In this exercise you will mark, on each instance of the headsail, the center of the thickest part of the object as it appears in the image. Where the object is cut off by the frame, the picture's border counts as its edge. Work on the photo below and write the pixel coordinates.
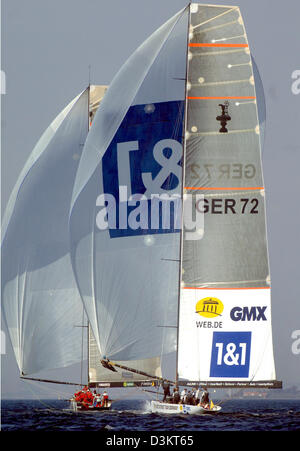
(225, 335)
(127, 273)
(40, 300)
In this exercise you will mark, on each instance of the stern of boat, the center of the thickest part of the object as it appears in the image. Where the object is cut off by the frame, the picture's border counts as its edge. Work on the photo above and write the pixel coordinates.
(163, 407)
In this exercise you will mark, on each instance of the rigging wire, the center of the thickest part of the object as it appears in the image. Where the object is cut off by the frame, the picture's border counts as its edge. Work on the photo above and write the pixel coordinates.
(42, 402)
(82, 339)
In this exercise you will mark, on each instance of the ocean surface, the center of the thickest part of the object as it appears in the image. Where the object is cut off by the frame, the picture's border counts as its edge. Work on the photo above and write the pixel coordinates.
(134, 415)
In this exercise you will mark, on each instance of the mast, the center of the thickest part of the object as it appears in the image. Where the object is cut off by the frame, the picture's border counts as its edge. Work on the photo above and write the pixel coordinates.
(182, 190)
(83, 326)
(88, 324)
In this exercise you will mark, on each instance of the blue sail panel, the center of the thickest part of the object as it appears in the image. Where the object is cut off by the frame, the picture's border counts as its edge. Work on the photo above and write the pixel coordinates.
(145, 128)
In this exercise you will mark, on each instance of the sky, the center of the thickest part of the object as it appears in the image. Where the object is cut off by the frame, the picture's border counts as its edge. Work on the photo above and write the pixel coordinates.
(46, 50)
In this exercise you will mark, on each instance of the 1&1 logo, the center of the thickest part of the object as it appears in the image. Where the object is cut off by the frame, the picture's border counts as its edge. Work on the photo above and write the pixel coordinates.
(230, 355)
(145, 158)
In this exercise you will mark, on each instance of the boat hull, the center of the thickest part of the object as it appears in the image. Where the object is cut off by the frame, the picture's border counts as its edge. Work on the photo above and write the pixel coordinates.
(164, 407)
(79, 406)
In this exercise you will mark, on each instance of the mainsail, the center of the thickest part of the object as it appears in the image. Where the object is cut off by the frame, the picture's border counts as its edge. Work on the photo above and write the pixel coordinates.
(225, 335)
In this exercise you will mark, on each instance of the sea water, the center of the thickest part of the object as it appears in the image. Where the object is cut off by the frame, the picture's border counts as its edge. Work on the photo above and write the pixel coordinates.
(132, 416)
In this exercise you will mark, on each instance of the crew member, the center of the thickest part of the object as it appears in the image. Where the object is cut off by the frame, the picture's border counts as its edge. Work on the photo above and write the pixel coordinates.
(105, 399)
(205, 398)
(197, 396)
(166, 388)
(176, 396)
(183, 396)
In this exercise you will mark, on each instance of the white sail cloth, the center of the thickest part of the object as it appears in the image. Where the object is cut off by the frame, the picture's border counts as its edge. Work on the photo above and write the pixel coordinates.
(40, 300)
(128, 287)
(225, 328)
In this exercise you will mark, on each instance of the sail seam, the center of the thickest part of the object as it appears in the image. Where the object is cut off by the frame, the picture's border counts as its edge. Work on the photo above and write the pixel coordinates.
(230, 37)
(219, 83)
(213, 18)
(247, 130)
(217, 27)
(231, 193)
(222, 52)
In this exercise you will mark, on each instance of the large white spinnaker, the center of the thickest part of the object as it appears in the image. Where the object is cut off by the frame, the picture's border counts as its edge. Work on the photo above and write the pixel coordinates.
(225, 333)
(128, 273)
(40, 300)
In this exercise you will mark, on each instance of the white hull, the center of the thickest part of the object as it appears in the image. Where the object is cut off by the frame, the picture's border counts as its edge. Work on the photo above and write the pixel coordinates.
(164, 407)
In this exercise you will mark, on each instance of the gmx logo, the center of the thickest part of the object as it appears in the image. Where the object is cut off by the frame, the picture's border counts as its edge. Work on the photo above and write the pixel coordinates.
(144, 159)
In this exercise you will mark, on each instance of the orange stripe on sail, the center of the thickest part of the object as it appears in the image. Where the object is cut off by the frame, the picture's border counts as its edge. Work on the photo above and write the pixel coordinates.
(222, 188)
(212, 44)
(215, 98)
(226, 288)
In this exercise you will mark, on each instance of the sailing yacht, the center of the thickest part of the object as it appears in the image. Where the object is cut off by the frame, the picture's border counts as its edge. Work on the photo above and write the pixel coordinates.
(152, 219)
